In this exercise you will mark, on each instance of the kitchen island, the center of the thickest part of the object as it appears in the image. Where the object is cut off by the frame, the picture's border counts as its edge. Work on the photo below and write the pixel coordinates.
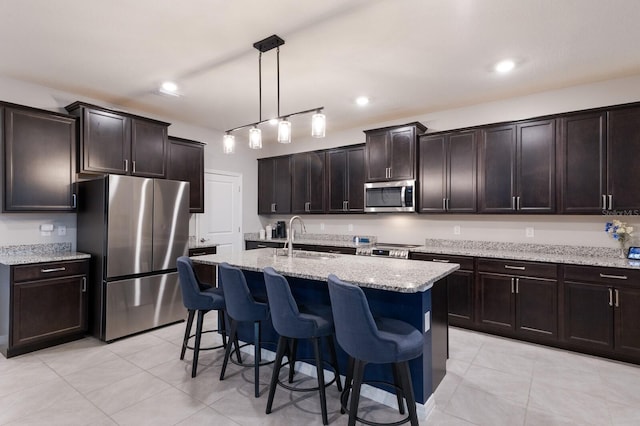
(403, 289)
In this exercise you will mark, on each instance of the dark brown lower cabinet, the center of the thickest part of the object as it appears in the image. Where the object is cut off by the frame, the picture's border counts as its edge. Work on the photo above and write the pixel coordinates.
(518, 304)
(601, 311)
(47, 305)
(205, 273)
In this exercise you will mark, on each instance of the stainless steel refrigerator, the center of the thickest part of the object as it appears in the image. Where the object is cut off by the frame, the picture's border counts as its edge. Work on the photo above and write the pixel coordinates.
(135, 229)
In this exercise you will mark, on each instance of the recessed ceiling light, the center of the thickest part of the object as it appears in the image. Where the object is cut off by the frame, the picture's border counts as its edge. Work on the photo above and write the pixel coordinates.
(169, 88)
(505, 66)
(362, 100)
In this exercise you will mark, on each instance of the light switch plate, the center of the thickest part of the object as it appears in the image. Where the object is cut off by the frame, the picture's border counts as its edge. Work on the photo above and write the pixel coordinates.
(456, 230)
(427, 321)
(529, 232)
(62, 230)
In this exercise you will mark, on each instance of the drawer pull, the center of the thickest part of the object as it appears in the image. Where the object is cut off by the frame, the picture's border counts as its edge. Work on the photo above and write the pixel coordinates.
(615, 277)
(440, 260)
(84, 284)
(335, 251)
(617, 302)
(517, 268)
(610, 297)
(200, 253)
(62, 268)
(261, 246)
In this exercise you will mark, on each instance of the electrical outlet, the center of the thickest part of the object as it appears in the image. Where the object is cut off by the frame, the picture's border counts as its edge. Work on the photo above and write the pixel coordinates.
(350, 227)
(456, 230)
(62, 230)
(529, 232)
(322, 226)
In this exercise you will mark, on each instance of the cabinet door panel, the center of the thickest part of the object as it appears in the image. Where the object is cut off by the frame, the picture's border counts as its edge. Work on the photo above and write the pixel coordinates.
(148, 148)
(582, 163)
(623, 150)
(588, 320)
(496, 301)
(39, 161)
(315, 176)
(282, 185)
(401, 153)
(186, 162)
(266, 178)
(355, 179)
(460, 295)
(537, 307)
(432, 163)
(536, 167)
(462, 160)
(627, 323)
(299, 182)
(106, 142)
(48, 308)
(337, 180)
(377, 156)
(497, 170)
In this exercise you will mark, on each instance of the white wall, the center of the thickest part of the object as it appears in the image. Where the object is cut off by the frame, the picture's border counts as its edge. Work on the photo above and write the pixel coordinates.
(412, 228)
(23, 228)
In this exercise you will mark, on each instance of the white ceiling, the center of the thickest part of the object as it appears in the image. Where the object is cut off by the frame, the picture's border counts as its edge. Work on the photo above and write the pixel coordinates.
(411, 57)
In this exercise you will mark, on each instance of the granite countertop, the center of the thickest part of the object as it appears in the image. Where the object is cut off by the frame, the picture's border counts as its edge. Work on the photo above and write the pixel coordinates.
(404, 276)
(39, 253)
(572, 255)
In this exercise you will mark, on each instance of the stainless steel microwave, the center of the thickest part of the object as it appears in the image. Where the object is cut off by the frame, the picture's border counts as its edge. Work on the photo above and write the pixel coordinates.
(387, 197)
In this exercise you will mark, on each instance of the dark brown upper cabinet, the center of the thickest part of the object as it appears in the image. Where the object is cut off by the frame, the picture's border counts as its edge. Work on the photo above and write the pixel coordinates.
(447, 172)
(185, 162)
(308, 182)
(623, 150)
(345, 176)
(391, 152)
(39, 160)
(517, 168)
(274, 185)
(118, 143)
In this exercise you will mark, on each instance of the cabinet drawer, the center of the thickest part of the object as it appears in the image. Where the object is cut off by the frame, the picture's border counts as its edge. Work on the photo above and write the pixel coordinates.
(325, 249)
(201, 251)
(466, 263)
(529, 269)
(613, 276)
(250, 245)
(49, 270)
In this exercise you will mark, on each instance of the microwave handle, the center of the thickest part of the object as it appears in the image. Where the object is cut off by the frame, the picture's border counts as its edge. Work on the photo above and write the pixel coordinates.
(402, 192)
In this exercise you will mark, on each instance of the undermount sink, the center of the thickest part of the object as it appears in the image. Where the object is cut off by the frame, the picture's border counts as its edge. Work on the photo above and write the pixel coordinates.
(307, 254)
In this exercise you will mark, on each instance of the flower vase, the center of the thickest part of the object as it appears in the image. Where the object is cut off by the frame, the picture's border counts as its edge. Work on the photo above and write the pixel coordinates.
(623, 251)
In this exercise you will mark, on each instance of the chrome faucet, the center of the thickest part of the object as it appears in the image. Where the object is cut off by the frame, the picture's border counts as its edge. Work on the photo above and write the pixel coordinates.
(303, 230)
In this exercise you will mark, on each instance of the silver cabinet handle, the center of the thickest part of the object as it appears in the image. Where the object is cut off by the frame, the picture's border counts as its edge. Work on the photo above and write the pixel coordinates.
(610, 201)
(610, 297)
(126, 165)
(261, 246)
(617, 302)
(200, 253)
(307, 206)
(62, 268)
(517, 285)
(345, 205)
(390, 172)
(518, 203)
(604, 202)
(335, 251)
(513, 203)
(74, 201)
(444, 204)
(447, 204)
(440, 260)
(133, 166)
(273, 207)
(512, 285)
(615, 277)
(84, 284)
(517, 268)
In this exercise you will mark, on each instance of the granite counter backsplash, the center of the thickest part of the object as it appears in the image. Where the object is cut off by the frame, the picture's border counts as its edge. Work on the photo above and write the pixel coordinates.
(575, 255)
(336, 240)
(38, 253)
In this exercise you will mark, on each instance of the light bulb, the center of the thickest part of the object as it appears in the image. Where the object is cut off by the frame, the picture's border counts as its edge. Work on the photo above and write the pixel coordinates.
(255, 138)
(228, 144)
(284, 131)
(318, 125)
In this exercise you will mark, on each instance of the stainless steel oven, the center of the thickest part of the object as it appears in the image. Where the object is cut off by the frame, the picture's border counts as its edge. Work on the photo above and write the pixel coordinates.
(398, 196)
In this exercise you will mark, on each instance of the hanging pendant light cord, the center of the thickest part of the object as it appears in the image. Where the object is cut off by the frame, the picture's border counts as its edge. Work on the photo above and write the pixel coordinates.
(260, 86)
(278, 76)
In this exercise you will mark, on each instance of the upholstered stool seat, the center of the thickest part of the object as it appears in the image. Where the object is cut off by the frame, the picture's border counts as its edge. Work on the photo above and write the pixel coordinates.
(292, 323)
(199, 298)
(373, 341)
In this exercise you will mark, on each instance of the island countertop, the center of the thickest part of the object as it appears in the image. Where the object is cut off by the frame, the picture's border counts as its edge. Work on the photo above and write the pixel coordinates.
(404, 276)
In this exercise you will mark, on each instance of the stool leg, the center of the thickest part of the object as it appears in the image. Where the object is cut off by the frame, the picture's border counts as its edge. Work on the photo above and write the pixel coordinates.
(256, 357)
(187, 331)
(405, 377)
(334, 361)
(344, 396)
(283, 344)
(399, 386)
(320, 372)
(358, 375)
(293, 348)
(222, 328)
(227, 352)
(196, 347)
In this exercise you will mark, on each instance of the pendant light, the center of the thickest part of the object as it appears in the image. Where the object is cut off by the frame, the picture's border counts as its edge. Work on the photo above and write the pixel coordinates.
(318, 120)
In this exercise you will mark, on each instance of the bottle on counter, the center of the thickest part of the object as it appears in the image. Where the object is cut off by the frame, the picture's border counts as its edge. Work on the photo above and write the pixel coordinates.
(262, 234)
(268, 230)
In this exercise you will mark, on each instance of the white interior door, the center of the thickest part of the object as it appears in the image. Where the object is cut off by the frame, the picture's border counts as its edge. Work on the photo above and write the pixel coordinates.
(221, 222)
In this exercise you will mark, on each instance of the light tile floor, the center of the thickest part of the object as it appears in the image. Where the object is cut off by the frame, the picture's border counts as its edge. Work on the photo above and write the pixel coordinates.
(140, 380)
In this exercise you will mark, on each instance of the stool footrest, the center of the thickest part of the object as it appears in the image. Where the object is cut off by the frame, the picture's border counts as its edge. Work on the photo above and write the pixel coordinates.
(222, 345)
(344, 399)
